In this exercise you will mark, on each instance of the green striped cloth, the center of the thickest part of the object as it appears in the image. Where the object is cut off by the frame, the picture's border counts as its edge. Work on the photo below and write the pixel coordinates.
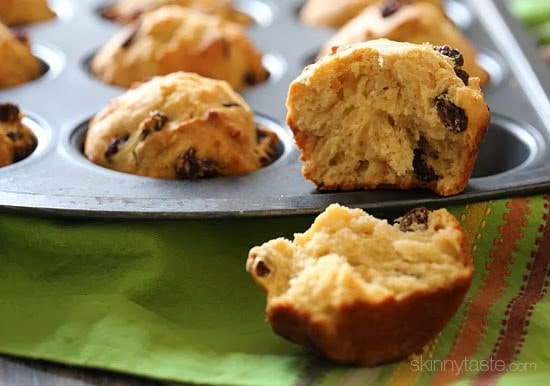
(171, 300)
(535, 15)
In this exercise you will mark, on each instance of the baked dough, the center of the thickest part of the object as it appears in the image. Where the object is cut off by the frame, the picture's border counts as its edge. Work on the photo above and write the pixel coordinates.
(356, 289)
(17, 141)
(17, 12)
(125, 11)
(180, 125)
(174, 38)
(18, 65)
(388, 114)
(336, 13)
(412, 21)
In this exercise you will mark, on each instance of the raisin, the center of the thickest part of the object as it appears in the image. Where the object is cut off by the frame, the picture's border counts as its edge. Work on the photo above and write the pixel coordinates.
(9, 112)
(188, 165)
(231, 104)
(132, 31)
(145, 133)
(261, 134)
(264, 161)
(249, 79)
(113, 147)
(390, 7)
(261, 269)
(451, 53)
(422, 170)
(452, 116)
(24, 151)
(414, 220)
(266, 137)
(462, 75)
(21, 36)
(226, 48)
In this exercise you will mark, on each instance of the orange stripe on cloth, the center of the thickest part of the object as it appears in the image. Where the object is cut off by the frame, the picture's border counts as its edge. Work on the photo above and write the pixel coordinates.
(478, 309)
(520, 308)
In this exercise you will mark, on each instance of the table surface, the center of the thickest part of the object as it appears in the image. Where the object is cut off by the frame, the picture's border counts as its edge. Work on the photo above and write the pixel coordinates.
(20, 372)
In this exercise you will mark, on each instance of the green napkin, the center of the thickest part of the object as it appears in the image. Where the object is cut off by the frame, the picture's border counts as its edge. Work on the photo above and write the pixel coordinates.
(535, 15)
(171, 300)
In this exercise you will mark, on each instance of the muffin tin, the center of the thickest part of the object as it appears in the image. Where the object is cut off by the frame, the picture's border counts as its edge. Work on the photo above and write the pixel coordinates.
(58, 179)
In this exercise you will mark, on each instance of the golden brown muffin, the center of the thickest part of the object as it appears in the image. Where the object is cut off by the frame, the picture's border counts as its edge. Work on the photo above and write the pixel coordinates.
(358, 290)
(17, 141)
(125, 11)
(18, 65)
(388, 114)
(332, 13)
(17, 12)
(408, 21)
(179, 126)
(174, 38)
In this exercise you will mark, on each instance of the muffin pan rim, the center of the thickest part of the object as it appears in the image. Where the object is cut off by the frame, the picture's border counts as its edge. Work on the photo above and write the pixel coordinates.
(71, 202)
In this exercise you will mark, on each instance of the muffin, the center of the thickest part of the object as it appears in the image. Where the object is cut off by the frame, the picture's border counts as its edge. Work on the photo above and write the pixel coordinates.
(18, 65)
(17, 12)
(330, 13)
(125, 11)
(17, 141)
(408, 21)
(388, 114)
(358, 290)
(174, 38)
(180, 125)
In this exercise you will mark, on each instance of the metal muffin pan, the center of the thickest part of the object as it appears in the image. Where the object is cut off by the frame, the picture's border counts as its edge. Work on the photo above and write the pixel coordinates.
(58, 179)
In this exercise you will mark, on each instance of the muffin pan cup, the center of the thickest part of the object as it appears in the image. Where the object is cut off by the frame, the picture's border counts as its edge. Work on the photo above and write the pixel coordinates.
(57, 179)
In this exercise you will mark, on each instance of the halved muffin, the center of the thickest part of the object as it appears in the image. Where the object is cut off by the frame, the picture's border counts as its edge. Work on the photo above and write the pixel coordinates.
(356, 289)
(385, 114)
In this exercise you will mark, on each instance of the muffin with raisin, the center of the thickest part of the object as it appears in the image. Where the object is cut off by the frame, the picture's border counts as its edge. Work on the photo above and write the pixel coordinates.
(331, 13)
(17, 141)
(174, 38)
(412, 21)
(357, 289)
(18, 64)
(388, 114)
(125, 11)
(17, 12)
(180, 125)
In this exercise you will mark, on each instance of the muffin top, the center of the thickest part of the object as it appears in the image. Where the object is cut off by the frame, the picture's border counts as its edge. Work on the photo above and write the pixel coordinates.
(174, 38)
(330, 13)
(413, 21)
(125, 11)
(18, 65)
(180, 125)
(17, 12)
